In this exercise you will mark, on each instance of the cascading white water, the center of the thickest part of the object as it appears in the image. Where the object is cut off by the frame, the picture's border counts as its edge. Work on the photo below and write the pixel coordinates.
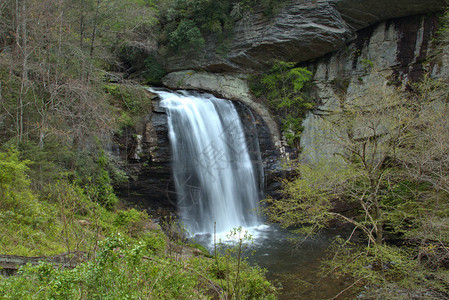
(214, 177)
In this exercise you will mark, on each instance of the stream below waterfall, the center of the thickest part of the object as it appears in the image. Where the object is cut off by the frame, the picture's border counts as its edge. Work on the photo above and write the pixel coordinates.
(296, 269)
(293, 269)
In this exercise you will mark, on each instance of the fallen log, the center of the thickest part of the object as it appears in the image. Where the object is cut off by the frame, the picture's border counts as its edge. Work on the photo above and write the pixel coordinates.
(12, 263)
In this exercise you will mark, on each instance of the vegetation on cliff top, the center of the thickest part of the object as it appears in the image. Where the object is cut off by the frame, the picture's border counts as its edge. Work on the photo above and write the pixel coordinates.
(187, 23)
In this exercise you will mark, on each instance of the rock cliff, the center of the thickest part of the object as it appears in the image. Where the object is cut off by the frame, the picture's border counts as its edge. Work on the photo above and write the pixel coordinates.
(392, 53)
(301, 31)
(146, 148)
(397, 49)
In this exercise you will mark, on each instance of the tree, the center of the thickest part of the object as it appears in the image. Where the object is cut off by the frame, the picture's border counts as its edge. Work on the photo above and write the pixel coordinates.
(51, 79)
(367, 131)
(14, 183)
(381, 137)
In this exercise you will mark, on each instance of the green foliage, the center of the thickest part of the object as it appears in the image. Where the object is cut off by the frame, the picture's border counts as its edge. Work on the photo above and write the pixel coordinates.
(24, 220)
(386, 270)
(56, 215)
(306, 201)
(283, 86)
(154, 70)
(367, 64)
(241, 280)
(100, 187)
(126, 268)
(232, 271)
(125, 217)
(125, 121)
(441, 39)
(156, 241)
(130, 98)
(201, 248)
(18, 202)
(188, 22)
(186, 36)
(207, 15)
(122, 269)
(130, 101)
(14, 183)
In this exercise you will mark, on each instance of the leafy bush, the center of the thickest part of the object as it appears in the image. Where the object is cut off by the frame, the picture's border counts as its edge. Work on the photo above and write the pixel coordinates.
(27, 223)
(14, 182)
(125, 268)
(129, 98)
(186, 36)
(283, 86)
(154, 70)
(92, 171)
(125, 217)
(156, 241)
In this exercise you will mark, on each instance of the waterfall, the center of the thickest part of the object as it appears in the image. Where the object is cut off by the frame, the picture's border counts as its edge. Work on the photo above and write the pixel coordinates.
(214, 177)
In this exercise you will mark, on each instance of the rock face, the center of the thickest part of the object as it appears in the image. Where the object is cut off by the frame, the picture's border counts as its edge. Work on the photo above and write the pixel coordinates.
(393, 53)
(149, 163)
(264, 154)
(301, 31)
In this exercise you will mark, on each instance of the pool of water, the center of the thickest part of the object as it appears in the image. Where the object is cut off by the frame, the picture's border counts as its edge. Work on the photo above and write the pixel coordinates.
(293, 268)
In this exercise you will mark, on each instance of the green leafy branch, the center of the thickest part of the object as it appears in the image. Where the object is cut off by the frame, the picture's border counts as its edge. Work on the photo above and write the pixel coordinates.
(283, 86)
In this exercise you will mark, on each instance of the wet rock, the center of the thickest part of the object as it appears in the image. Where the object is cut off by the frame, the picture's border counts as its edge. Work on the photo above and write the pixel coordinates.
(151, 184)
(264, 154)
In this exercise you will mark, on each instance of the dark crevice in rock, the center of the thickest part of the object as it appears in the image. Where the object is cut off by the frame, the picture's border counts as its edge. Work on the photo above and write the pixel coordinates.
(362, 40)
(415, 34)
(151, 184)
(257, 131)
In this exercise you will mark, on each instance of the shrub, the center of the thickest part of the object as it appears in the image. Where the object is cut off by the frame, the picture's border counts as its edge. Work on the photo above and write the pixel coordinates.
(187, 35)
(283, 86)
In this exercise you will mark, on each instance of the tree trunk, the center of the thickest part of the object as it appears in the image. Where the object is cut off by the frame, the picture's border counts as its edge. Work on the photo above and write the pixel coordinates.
(21, 39)
(94, 30)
